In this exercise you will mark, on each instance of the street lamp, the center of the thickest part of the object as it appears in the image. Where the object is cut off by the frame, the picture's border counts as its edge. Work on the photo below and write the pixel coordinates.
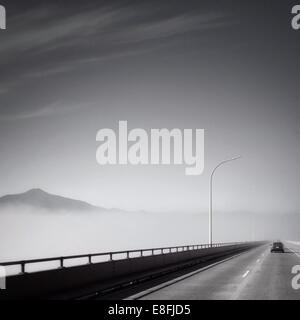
(211, 196)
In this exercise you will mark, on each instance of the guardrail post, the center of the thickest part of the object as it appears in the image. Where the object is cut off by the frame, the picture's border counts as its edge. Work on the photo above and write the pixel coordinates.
(127, 255)
(22, 267)
(141, 253)
(61, 262)
(90, 259)
(152, 251)
(111, 256)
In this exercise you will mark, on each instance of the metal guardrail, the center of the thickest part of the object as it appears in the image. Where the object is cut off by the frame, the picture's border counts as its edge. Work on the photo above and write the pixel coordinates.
(128, 254)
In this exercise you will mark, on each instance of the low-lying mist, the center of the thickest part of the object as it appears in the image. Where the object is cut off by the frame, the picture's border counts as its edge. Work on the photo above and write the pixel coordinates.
(28, 233)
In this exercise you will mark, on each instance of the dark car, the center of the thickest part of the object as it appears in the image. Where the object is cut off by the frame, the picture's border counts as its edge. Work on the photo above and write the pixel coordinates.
(277, 247)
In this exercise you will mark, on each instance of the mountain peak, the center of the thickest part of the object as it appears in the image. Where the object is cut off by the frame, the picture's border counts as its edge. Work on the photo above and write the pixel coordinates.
(39, 198)
(36, 191)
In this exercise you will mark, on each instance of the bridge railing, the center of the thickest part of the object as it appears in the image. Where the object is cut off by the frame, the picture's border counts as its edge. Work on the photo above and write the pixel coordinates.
(61, 262)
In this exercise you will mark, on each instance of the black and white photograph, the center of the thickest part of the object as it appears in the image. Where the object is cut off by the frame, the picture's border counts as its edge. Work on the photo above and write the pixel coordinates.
(149, 150)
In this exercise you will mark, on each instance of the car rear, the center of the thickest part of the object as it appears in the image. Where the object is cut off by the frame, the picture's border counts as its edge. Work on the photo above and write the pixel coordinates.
(277, 247)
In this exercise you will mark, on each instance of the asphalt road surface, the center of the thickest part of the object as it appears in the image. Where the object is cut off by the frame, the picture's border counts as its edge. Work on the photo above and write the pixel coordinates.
(255, 274)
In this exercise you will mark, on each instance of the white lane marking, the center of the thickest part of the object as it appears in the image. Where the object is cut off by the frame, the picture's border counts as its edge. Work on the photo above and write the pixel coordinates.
(245, 282)
(296, 253)
(294, 243)
(169, 283)
(246, 273)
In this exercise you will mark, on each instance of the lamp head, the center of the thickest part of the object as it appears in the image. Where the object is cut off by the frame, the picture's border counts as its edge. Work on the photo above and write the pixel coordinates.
(237, 157)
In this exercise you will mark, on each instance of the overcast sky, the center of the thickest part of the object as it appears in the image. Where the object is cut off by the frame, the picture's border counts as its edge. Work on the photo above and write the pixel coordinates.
(70, 68)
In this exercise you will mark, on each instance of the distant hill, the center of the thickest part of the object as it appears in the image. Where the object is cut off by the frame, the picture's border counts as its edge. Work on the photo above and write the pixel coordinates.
(38, 198)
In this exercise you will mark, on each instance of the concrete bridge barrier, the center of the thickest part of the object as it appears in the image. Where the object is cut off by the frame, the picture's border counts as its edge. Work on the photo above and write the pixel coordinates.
(128, 266)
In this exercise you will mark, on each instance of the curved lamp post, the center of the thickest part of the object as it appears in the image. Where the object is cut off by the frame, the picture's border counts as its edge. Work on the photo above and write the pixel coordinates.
(211, 196)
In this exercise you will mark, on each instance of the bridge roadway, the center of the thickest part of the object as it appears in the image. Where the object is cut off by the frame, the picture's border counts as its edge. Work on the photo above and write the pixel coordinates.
(255, 274)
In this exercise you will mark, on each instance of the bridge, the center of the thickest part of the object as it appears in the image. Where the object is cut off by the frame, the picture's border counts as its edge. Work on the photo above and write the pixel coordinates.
(256, 274)
(246, 270)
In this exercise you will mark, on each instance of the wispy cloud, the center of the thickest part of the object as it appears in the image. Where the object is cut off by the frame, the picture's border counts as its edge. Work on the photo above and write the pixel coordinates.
(48, 41)
(170, 27)
(106, 30)
(53, 109)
